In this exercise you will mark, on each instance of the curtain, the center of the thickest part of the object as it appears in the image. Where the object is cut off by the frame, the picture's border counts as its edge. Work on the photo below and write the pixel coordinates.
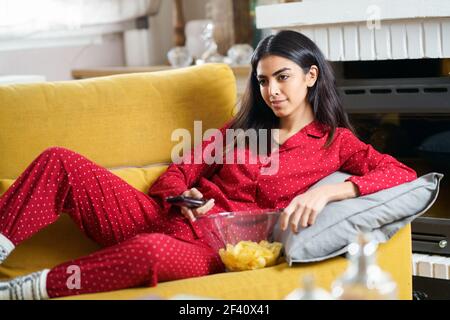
(28, 19)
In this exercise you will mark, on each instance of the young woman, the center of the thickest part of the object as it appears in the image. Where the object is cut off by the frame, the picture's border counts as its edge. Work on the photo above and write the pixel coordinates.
(147, 240)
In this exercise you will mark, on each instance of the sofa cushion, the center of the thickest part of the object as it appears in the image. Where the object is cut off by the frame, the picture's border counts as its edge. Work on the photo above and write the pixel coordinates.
(383, 213)
(62, 240)
(121, 120)
(141, 178)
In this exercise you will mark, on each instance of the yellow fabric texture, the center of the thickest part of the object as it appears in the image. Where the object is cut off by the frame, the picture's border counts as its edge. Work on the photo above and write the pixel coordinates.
(276, 282)
(135, 113)
(126, 121)
(5, 184)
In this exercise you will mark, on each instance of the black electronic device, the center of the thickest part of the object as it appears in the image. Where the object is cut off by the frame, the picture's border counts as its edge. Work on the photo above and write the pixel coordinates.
(188, 202)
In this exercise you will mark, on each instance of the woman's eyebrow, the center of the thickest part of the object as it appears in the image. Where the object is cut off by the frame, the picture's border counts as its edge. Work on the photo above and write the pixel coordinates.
(275, 73)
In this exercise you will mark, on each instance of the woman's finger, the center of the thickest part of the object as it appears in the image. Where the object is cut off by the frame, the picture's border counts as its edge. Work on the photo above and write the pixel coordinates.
(193, 193)
(312, 218)
(196, 194)
(188, 213)
(296, 216)
(286, 213)
(307, 212)
(205, 208)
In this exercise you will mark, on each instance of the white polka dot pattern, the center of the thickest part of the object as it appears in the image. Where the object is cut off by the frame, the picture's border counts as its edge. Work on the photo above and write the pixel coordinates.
(146, 239)
(303, 161)
(112, 213)
(143, 260)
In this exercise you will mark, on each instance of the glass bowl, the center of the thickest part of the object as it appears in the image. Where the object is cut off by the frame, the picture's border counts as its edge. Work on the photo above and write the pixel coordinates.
(244, 239)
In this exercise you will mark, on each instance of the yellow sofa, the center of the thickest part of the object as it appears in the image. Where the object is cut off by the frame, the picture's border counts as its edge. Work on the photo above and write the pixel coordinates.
(125, 123)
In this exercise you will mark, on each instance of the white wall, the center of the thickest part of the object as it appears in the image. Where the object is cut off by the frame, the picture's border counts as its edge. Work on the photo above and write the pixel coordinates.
(56, 63)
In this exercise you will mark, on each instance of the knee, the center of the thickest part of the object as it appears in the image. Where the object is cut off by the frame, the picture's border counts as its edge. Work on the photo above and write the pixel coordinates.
(63, 155)
(56, 152)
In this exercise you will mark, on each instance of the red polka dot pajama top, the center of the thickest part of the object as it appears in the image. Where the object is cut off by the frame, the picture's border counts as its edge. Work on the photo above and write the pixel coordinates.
(144, 239)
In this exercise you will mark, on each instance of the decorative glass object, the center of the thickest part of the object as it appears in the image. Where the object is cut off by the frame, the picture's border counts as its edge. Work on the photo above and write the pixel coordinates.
(211, 54)
(364, 279)
(179, 57)
(309, 291)
(240, 54)
(198, 37)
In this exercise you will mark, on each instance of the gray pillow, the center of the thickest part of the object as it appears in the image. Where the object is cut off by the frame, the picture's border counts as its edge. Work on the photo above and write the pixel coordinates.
(382, 213)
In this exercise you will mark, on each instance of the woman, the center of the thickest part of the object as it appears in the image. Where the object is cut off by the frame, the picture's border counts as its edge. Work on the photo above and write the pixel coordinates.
(146, 240)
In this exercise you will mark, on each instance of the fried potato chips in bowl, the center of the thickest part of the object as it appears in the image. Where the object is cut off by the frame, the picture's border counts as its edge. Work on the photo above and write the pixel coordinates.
(244, 239)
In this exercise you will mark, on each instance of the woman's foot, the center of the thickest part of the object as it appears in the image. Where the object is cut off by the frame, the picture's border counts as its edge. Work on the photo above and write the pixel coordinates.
(28, 287)
(6, 246)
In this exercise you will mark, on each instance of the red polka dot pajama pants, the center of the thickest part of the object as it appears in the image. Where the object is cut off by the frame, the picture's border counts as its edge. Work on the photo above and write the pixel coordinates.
(140, 248)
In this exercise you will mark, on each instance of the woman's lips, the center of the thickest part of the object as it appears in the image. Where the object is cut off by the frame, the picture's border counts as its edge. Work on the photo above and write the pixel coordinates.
(277, 103)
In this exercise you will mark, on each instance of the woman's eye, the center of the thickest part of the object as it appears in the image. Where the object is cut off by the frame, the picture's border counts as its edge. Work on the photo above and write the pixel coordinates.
(283, 77)
(262, 82)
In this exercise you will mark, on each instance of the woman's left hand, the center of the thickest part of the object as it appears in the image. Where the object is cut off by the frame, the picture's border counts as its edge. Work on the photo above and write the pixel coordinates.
(304, 208)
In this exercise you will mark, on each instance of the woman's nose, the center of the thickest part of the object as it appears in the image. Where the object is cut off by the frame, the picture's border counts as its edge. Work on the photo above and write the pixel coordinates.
(274, 90)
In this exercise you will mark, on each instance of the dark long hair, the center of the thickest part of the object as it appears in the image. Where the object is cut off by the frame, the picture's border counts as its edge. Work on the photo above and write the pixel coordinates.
(323, 96)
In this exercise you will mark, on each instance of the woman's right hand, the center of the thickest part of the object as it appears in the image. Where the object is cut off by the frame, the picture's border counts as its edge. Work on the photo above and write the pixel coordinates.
(193, 213)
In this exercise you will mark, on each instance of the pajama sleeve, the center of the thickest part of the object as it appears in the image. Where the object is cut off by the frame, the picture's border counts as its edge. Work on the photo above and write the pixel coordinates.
(371, 170)
(181, 177)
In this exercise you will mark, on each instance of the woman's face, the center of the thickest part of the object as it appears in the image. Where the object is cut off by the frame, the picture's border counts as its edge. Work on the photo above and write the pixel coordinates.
(284, 85)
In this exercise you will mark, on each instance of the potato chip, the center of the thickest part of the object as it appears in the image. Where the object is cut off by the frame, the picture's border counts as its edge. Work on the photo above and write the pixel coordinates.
(249, 255)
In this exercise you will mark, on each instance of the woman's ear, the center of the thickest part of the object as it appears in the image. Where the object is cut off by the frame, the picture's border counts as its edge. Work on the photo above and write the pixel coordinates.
(311, 76)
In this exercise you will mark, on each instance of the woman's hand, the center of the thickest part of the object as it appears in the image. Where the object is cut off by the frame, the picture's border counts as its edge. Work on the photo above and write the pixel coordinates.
(193, 213)
(303, 209)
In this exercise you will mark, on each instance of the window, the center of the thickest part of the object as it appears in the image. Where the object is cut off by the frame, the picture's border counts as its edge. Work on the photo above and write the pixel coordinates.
(24, 22)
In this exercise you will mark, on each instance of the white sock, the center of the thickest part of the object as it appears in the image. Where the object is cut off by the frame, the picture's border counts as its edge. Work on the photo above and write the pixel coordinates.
(6, 246)
(29, 287)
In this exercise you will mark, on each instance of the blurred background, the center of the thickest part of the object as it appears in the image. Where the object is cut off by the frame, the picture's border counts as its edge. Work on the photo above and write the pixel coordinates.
(47, 39)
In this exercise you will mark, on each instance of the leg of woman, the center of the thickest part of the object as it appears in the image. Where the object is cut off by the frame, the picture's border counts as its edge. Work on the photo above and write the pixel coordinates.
(144, 260)
(104, 207)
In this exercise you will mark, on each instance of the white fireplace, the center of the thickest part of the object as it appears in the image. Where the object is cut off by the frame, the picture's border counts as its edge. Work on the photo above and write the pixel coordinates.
(349, 30)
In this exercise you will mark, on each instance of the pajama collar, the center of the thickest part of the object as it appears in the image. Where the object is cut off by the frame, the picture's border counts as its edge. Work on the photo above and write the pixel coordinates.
(314, 130)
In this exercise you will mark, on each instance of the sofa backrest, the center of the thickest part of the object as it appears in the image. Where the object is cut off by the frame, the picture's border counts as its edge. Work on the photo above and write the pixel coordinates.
(116, 121)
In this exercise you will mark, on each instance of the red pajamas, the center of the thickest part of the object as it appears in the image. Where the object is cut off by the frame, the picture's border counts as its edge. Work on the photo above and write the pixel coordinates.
(143, 260)
(146, 239)
(145, 245)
